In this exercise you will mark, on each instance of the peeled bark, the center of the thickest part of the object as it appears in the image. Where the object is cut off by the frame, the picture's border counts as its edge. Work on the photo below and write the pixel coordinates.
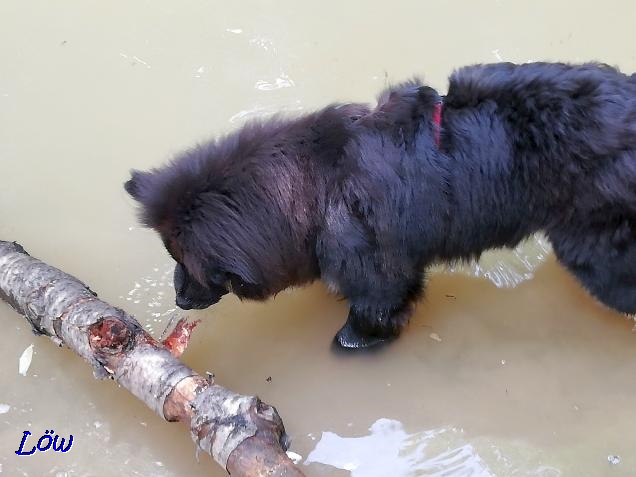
(243, 434)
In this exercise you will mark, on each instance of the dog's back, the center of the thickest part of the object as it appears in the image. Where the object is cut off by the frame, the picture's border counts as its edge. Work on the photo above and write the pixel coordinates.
(572, 128)
(572, 137)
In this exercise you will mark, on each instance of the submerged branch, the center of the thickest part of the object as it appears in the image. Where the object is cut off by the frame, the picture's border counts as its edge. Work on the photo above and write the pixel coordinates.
(243, 434)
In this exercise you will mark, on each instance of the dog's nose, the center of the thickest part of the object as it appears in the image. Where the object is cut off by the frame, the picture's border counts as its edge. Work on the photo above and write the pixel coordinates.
(183, 303)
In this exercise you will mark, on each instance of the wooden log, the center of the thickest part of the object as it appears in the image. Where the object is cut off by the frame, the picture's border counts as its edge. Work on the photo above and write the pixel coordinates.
(243, 434)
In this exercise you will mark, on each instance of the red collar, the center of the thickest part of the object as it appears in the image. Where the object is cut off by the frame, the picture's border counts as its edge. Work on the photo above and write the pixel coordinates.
(437, 122)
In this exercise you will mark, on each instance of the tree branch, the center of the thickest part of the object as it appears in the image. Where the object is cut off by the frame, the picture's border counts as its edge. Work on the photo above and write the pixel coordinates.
(243, 434)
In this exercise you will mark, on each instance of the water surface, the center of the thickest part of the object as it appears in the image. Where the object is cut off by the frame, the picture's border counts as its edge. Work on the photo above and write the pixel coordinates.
(490, 379)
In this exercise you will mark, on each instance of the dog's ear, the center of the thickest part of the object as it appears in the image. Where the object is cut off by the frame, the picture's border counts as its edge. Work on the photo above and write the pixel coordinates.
(137, 183)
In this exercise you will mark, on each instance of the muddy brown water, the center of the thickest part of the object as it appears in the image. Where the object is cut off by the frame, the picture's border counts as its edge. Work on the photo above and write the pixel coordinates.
(528, 380)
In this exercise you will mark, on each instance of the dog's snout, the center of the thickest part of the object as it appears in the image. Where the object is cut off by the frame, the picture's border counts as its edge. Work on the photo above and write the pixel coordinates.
(183, 303)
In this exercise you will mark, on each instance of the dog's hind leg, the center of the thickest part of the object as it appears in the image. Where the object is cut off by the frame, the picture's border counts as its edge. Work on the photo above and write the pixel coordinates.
(603, 258)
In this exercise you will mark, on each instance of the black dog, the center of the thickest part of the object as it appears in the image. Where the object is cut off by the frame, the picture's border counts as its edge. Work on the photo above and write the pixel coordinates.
(366, 199)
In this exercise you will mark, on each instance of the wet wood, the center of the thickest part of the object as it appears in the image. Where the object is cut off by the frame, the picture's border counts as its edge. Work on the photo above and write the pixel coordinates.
(243, 434)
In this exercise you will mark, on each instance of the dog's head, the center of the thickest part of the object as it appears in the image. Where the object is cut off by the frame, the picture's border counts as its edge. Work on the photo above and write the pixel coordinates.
(231, 216)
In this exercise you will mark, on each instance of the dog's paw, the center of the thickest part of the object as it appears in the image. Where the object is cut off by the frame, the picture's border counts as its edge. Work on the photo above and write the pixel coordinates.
(350, 339)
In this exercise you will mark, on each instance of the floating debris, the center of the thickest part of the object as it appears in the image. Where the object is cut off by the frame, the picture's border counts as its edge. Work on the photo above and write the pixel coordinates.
(296, 458)
(25, 360)
(198, 74)
(134, 60)
(613, 459)
(283, 81)
(435, 336)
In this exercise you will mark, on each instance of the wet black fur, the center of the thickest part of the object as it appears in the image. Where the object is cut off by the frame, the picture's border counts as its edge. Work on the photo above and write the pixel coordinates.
(363, 198)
